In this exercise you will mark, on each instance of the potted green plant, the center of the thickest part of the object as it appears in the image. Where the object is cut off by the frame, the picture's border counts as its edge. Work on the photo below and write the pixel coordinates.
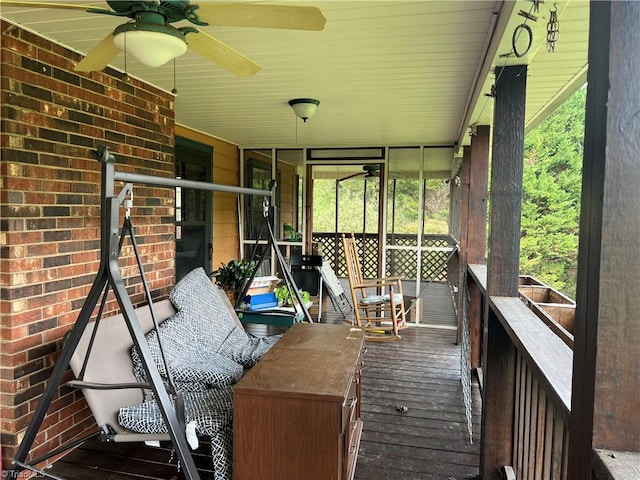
(231, 276)
(286, 297)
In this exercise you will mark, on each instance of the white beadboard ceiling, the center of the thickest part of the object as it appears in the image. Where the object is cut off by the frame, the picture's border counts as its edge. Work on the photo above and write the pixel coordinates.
(385, 72)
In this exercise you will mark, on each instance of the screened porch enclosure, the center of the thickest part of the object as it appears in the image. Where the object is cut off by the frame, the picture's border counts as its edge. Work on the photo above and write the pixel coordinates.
(459, 82)
(397, 206)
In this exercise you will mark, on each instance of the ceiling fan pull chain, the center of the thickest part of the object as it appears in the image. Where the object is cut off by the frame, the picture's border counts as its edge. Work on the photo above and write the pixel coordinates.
(126, 70)
(174, 90)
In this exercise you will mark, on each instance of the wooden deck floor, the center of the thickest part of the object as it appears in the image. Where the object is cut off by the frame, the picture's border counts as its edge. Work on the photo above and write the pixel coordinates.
(420, 372)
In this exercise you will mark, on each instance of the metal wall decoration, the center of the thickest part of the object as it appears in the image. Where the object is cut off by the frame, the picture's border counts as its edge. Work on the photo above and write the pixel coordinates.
(522, 29)
(536, 5)
(553, 30)
(528, 15)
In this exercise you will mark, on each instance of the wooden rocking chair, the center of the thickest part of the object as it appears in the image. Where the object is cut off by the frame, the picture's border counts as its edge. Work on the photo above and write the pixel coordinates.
(378, 303)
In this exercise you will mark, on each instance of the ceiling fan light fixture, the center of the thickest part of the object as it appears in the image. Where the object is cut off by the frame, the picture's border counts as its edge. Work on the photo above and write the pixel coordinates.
(304, 108)
(372, 171)
(150, 43)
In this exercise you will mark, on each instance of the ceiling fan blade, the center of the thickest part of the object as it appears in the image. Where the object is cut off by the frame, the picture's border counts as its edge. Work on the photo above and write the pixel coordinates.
(99, 56)
(222, 54)
(67, 6)
(263, 16)
(353, 175)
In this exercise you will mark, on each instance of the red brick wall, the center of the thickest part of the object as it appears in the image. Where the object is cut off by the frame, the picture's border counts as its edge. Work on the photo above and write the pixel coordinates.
(52, 118)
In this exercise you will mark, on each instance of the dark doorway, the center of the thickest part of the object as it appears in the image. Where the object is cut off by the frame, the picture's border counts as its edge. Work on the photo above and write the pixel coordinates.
(194, 208)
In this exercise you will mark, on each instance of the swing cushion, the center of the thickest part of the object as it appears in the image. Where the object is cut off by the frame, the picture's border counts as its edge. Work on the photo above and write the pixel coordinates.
(207, 350)
(190, 373)
(377, 299)
(212, 411)
(208, 307)
(203, 343)
(244, 348)
(196, 298)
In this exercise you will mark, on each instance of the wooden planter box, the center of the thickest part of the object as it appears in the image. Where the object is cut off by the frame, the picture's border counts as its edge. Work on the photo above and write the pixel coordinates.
(555, 309)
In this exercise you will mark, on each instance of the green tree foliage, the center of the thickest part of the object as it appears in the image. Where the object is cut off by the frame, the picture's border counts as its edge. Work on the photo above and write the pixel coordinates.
(324, 211)
(551, 200)
(550, 209)
(353, 211)
(403, 206)
(436, 207)
(402, 202)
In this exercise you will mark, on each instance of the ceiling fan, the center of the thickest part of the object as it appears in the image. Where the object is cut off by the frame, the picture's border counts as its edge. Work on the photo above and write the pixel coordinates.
(369, 171)
(150, 37)
(372, 170)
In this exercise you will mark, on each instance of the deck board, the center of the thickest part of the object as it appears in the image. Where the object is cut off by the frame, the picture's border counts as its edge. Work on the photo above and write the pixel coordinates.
(421, 372)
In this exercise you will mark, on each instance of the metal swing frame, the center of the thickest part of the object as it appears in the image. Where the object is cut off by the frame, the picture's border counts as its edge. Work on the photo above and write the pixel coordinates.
(109, 276)
(273, 246)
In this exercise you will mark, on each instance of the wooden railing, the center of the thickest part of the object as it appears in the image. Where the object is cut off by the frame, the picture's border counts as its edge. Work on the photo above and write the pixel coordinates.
(538, 386)
(541, 433)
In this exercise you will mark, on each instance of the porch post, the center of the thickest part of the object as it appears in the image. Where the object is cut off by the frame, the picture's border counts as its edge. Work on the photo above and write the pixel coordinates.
(606, 385)
(478, 178)
(503, 265)
(308, 209)
(459, 204)
(476, 244)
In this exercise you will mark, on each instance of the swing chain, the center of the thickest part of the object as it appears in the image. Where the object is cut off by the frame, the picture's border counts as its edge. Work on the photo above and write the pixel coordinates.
(128, 204)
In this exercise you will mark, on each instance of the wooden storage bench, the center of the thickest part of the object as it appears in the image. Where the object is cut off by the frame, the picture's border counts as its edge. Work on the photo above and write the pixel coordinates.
(297, 412)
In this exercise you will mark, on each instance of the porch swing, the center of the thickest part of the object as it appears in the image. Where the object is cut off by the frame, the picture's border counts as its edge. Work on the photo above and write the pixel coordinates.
(172, 407)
